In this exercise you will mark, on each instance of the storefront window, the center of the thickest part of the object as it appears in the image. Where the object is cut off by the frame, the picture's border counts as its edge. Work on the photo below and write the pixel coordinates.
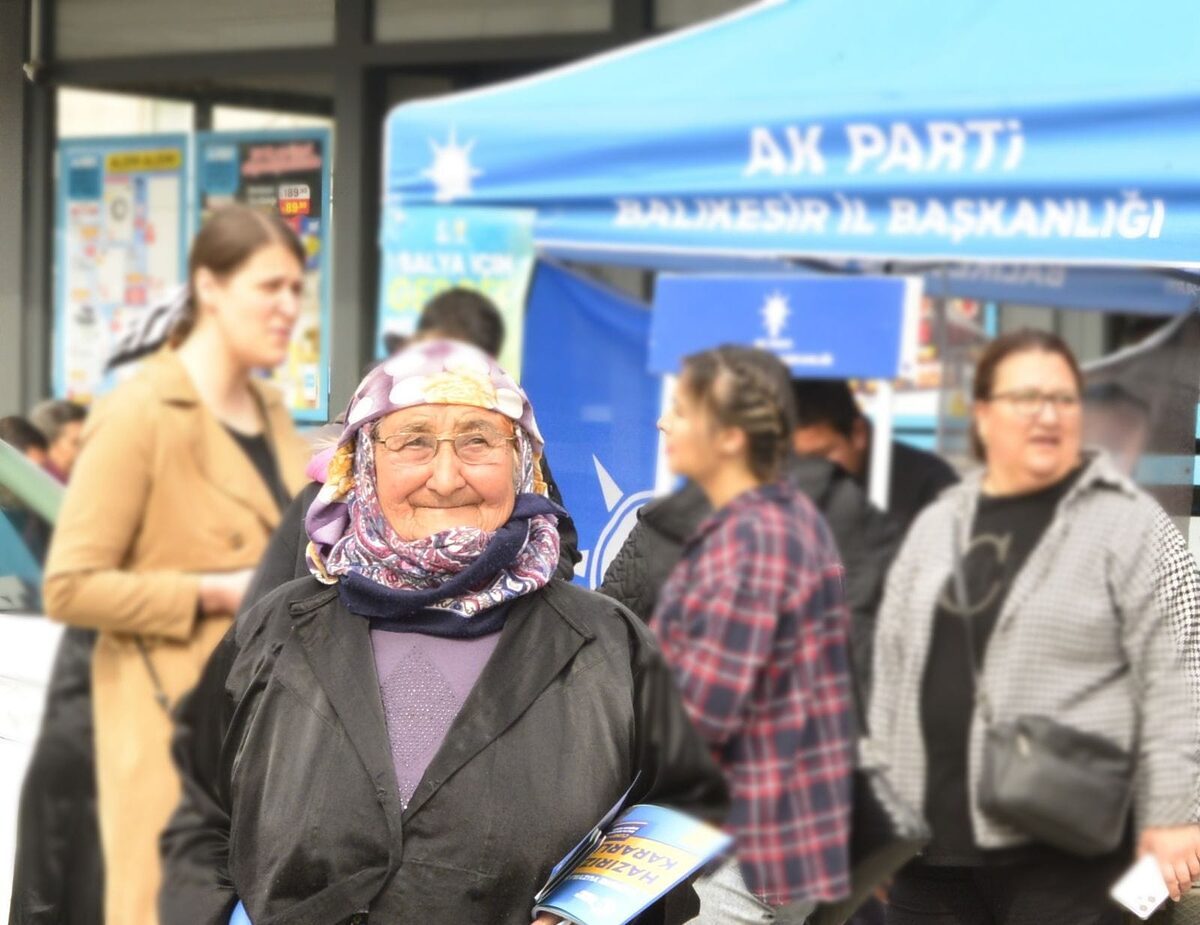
(88, 113)
(416, 20)
(239, 118)
(112, 28)
(670, 14)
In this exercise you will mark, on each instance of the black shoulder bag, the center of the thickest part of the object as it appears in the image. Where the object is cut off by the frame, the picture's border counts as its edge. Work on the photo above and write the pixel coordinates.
(1067, 788)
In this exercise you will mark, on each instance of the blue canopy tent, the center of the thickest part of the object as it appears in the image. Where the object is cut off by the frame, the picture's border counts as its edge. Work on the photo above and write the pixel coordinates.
(923, 134)
(945, 129)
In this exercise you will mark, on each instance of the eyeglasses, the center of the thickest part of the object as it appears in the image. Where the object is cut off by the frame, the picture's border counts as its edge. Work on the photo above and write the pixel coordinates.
(1028, 403)
(475, 447)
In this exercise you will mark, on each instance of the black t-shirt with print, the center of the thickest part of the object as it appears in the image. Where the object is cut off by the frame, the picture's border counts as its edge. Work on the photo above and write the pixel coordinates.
(1005, 532)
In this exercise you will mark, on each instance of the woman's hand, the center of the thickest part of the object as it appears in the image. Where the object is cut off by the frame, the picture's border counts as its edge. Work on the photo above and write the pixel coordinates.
(222, 592)
(1177, 849)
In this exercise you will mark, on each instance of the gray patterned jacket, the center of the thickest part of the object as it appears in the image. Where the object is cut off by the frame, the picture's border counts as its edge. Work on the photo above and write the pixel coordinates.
(1080, 638)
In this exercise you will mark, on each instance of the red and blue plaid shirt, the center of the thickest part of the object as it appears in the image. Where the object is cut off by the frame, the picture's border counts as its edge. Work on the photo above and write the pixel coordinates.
(753, 623)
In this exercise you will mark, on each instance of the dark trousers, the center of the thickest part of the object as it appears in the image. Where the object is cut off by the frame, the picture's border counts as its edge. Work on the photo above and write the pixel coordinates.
(870, 912)
(1059, 890)
(59, 874)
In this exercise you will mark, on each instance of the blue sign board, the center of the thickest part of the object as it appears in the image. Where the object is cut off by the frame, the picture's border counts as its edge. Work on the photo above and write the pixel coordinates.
(427, 251)
(821, 327)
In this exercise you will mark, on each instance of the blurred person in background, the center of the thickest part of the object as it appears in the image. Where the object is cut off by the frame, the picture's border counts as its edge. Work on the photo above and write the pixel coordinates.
(1117, 421)
(58, 878)
(1029, 597)
(182, 476)
(466, 315)
(831, 424)
(61, 423)
(22, 436)
(58, 875)
(394, 343)
(19, 433)
(867, 539)
(456, 314)
(421, 727)
(754, 625)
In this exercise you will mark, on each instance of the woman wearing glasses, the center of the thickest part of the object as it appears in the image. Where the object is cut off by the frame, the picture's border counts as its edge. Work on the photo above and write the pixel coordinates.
(1020, 633)
(421, 728)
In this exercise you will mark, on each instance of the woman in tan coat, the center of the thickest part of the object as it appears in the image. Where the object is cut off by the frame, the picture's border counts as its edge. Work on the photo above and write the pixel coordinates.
(183, 474)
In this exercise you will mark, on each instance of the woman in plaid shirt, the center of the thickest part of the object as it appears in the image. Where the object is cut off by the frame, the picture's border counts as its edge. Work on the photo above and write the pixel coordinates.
(754, 625)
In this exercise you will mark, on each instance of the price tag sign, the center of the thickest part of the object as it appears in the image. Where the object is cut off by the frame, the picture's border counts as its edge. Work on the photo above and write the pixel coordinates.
(295, 199)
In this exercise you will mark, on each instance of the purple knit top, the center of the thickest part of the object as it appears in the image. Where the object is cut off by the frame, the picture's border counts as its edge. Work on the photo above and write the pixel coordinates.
(424, 681)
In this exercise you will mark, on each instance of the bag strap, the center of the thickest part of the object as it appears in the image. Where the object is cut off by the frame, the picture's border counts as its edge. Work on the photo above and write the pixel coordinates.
(962, 598)
(160, 694)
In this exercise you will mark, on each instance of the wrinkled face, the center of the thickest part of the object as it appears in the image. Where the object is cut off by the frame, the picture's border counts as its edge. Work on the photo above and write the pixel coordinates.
(1031, 427)
(65, 449)
(827, 441)
(689, 435)
(421, 499)
(256, 306)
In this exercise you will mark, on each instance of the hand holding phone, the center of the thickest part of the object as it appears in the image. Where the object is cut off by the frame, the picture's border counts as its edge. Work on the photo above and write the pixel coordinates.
(1142, 888)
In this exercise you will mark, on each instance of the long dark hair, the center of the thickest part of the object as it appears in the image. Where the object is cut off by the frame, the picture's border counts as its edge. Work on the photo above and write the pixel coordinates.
(748, 389)
(1025, 340)
(230, 237)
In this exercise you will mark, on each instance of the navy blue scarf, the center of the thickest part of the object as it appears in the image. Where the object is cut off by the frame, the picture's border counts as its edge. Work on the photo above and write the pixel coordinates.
(413, 611)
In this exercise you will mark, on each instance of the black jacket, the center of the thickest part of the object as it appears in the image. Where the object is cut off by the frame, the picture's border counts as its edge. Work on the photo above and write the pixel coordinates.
(290, 799)
(917, 479)
(867, 540)
(285, 555)
(58, 878)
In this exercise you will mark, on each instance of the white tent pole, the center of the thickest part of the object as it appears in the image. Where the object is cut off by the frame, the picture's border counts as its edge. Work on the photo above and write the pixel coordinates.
(879, 477)
(664, 478)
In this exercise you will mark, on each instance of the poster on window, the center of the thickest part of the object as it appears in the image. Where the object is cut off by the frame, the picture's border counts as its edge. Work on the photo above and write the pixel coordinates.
(426, 251)
(120, 246)
(287, 172)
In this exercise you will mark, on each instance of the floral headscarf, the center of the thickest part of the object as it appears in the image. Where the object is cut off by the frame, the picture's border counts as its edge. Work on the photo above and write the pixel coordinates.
(350, 537)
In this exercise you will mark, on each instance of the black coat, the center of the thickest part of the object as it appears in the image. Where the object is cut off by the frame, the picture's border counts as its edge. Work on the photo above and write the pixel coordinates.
(290, 798)
(917, 479)
(58, 878)
(867, 540)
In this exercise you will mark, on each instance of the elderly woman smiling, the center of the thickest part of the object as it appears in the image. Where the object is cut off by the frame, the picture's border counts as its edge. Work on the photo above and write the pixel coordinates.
(422, 728)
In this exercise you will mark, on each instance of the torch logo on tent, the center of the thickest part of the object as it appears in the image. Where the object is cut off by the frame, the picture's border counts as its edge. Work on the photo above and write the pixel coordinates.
(775, 313)
(623, 509)
(451, 172)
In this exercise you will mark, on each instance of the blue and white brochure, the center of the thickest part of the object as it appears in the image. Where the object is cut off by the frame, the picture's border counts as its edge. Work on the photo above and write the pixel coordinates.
(638, 859)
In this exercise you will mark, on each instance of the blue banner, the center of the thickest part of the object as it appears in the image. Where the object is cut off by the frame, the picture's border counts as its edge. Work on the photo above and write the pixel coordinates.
(946, 129)
(286, 171)
(585, 372)
(427, 251)
(822, 327)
